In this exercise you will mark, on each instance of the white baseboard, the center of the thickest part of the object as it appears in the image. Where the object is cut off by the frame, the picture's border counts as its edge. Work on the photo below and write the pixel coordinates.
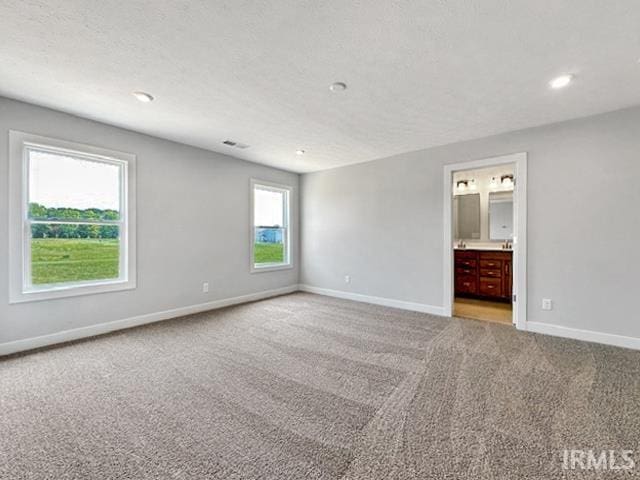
(585, 335)
(101, 328)
(387, 302)
(535, 327)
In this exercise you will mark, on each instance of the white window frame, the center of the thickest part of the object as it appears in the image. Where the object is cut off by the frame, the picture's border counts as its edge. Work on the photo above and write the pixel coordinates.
(20, 287)
(287, 191)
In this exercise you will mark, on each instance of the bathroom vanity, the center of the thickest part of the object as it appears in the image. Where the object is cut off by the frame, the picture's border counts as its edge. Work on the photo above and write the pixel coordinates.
(486, 274)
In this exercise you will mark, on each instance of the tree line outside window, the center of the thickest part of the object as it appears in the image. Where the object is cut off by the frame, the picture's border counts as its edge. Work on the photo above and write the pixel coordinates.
(72, 230)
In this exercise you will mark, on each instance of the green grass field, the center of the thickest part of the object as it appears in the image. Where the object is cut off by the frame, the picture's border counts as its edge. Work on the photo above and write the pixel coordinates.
(269, 252)
(58, 260)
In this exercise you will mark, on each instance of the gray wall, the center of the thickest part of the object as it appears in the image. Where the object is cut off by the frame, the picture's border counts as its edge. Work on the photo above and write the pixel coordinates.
(193, 226)
(381, 222)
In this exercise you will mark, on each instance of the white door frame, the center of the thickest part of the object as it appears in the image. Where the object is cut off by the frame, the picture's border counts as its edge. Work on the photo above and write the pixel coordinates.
(520, 229)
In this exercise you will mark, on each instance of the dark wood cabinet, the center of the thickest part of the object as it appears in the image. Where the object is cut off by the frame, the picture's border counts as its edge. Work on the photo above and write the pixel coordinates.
(483, 274)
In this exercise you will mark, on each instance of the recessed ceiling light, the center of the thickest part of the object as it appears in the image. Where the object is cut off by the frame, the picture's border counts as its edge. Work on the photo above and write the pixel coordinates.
(300, 152)
(338, 87)
(143, 96)
(561, 81)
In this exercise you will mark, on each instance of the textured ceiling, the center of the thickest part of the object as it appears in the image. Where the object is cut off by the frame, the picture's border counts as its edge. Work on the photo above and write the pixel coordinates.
(420, 73)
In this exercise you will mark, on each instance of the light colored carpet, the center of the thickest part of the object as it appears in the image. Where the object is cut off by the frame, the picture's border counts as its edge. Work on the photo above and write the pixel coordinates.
(309, 387)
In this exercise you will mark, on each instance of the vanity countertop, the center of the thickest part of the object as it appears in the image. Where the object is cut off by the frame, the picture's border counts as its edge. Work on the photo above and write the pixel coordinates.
(497, 248)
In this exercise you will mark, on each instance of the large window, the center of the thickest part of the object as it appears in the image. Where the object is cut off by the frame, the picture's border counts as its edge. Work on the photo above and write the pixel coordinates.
(71, 208)
(270, 246)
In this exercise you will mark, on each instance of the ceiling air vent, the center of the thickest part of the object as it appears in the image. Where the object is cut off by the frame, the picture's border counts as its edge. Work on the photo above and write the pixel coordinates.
(231, 143)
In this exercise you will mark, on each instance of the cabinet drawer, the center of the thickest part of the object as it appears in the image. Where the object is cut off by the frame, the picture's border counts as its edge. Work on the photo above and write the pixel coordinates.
(492, 264)
(465, 271)
(490, 272)
(465, 254)
(466, 284)
(503, 255)
(466, 262)
(491, 287)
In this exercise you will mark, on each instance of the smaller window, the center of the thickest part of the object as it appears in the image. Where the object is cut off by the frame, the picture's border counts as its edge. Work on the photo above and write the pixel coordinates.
(270, 235)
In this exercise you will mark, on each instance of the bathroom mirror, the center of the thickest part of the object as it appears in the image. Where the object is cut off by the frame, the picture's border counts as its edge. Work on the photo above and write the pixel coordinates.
(466, 211)
(500, 215)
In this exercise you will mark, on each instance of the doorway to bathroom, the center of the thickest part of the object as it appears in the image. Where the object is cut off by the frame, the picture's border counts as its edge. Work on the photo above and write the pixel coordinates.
(485, 240)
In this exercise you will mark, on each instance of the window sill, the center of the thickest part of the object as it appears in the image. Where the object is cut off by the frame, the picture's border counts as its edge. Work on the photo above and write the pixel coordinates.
(271, 267)
(71, 291)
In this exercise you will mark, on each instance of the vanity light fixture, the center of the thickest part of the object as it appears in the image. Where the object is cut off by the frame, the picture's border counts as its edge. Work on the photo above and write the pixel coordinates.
(300, 152)
(506, 180)
(493, 183)
(461, 185)
(472, 184)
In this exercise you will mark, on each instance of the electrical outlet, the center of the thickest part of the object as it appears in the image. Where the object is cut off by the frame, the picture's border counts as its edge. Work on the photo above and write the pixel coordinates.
(347, 279)
(547, 304)
(205, 287)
